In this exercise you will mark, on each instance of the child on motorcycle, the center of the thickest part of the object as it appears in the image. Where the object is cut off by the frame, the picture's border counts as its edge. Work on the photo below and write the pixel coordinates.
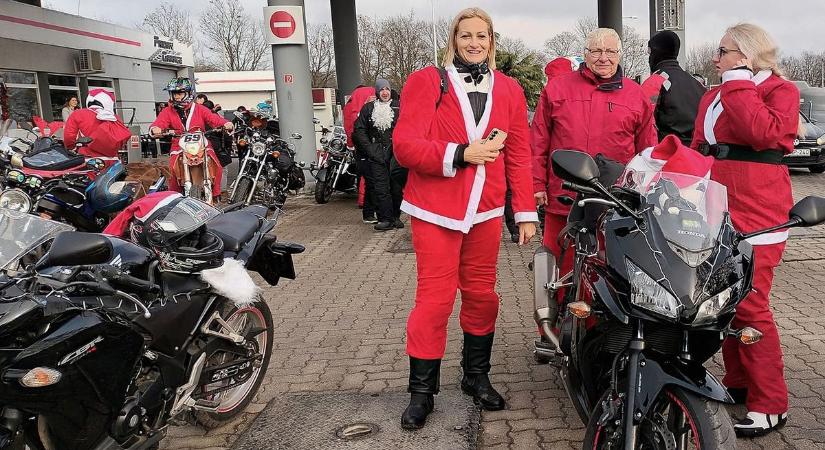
(182, 115)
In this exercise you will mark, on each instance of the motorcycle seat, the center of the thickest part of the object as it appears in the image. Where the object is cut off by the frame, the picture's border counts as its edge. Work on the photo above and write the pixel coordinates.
(235, 229)
(52, 160)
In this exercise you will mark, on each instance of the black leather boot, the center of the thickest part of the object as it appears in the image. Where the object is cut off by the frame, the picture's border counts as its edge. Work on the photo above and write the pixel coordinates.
(424, 381)
(476, 363)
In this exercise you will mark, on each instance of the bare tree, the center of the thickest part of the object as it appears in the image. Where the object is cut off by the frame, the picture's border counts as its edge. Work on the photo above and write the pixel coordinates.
(169, 21)
(699, 60)
(372, 53)
(321, 55)
(404, 39)
(563, 44)
(808, 67)
(236, 38)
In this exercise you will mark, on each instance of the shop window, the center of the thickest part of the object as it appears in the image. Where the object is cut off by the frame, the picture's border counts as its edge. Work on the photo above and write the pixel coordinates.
(22, 93)
(101, 84)
(61, 89)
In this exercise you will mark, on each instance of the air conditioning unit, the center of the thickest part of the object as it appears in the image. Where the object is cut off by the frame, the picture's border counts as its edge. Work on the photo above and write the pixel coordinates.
(88, 61)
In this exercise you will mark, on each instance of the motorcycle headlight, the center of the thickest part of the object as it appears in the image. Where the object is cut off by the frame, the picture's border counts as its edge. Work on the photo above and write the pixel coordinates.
(646, 293)
(15, 200)
(709, 309)
(193, 148)
(258, 148)
(336, 145)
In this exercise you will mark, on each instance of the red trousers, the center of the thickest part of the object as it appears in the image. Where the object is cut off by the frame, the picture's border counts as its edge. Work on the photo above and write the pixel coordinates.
(448, 260)
(758, 367)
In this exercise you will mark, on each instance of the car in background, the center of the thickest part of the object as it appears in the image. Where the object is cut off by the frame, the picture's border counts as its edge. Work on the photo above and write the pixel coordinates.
(809, 146)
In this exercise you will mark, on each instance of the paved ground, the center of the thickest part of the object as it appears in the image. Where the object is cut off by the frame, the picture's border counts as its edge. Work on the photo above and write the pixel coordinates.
(340, 327)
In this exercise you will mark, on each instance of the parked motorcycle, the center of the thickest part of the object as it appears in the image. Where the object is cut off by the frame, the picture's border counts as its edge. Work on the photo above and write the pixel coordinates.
(335, 168)
(268, 170)
(658, 272)
(103, 351)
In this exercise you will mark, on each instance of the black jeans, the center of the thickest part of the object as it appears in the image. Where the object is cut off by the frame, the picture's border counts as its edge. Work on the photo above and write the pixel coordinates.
(509, 217)
(379, 178)
(398, 179)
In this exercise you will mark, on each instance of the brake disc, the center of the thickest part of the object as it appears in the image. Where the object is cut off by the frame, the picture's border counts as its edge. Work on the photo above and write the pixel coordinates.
(655, 428)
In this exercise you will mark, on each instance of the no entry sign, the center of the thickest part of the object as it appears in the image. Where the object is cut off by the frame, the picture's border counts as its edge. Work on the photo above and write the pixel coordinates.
(286, 24)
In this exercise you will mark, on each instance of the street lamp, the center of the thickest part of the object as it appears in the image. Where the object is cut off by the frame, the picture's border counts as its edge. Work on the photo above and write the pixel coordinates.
(435, 44)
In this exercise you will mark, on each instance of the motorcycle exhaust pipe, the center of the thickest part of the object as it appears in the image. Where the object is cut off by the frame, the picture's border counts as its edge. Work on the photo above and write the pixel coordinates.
(546, 307)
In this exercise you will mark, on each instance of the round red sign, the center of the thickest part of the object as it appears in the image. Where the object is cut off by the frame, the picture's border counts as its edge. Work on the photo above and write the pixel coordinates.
(282, 24)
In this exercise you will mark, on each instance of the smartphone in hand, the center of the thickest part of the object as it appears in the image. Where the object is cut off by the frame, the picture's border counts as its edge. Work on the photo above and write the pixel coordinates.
(495, 135)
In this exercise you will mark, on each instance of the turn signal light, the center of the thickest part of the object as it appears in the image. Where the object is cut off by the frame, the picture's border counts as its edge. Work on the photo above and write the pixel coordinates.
(275, 154)
(579, 309)
(40, 377)
(749, 335)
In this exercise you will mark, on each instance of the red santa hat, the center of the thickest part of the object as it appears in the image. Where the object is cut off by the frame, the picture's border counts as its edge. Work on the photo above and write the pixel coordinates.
(102, 102)
(140, 210)
(559, 66)
(671, 155)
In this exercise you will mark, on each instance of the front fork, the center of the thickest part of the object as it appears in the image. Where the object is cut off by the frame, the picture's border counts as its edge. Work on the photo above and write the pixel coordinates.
(632, 418)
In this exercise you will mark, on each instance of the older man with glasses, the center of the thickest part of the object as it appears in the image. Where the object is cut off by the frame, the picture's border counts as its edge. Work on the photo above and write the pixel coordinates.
(595, 110)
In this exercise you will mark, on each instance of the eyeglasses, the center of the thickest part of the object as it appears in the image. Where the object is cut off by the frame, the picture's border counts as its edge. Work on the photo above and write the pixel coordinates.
(722, 51)
(597, 52)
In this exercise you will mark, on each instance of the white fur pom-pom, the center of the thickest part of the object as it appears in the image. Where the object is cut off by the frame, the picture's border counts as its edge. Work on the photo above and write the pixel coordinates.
(232, 281)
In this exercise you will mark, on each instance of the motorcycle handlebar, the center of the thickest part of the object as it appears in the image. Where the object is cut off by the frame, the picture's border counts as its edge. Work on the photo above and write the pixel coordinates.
(570, 186)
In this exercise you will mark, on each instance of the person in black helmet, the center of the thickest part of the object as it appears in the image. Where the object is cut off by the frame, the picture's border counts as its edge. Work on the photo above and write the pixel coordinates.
(674, 93)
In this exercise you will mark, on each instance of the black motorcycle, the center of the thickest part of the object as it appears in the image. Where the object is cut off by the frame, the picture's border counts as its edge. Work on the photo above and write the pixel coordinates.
(335, 168)
(658, 272)
(100, 350)
(268, 169)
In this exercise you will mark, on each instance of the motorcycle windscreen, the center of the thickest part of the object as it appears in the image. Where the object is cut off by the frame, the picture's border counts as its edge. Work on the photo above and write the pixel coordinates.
(689, 210)
(21, 233)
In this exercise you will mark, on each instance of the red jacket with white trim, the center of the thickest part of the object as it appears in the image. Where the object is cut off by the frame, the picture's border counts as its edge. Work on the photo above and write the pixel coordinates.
(107, 137)
(168, 119)
(577, 111)
(425, 141)
(762, 113)
(360, 96)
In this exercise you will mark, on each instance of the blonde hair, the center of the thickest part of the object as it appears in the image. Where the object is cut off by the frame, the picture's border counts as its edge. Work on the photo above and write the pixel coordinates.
(598, 36)
(757, 45)
(469, 13)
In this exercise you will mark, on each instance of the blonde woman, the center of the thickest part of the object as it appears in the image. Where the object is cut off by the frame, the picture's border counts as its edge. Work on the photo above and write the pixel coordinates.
(748, 123)
(455, 196)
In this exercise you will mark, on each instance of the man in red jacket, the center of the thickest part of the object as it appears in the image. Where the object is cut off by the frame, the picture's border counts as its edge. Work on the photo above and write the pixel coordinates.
(99, 122)
(359, 97)
(595, 110)
(182, 115)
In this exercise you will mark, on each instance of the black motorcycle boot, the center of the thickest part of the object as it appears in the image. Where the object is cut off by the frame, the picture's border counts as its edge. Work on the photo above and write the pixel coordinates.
(476, 363)
(383, 226)
(424, 382)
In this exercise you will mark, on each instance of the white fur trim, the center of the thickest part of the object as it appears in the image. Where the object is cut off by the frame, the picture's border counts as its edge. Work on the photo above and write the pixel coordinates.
(711, 116)
(761, 76)
(449, 156)
(522, 217)
(645, 162)
(487, 215)
(737, 75)
(382, 115)
(469, 220)
(474, 131)
(232, 281)
(769, 238)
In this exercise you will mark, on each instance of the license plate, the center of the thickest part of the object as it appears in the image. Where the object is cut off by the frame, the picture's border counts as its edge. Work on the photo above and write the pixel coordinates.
(801, 152)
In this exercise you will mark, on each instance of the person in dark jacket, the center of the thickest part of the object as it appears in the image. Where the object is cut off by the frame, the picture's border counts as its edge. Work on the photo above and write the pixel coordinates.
(372, 136)
(673, 92)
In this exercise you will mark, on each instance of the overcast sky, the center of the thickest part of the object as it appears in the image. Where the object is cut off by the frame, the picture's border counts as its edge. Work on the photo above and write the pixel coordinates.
(797, 25)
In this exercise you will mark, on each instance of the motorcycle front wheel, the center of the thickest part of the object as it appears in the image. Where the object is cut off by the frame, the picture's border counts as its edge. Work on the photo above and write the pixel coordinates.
(254, 318)
(677, 420)
(242, 191)
(324, 187)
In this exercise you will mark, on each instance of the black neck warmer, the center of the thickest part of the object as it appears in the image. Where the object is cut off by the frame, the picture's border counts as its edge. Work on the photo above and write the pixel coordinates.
(475, 71)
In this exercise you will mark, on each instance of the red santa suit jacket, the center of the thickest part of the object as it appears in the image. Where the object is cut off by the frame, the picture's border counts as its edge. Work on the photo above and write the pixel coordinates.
(107, 137)
(426, 138)
(578, 111)
(197, 117)
(359, 97)
(761, 112)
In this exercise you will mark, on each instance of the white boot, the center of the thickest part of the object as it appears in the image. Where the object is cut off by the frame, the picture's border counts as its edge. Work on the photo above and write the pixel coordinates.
(759, 424)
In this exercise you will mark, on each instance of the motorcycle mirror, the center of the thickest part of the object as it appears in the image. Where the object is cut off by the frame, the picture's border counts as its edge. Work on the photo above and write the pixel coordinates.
(574, 166)
(810, 211)
(296, 136)
(73, 248)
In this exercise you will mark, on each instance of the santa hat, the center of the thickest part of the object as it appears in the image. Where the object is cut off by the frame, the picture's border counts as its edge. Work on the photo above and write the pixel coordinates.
(671, 155)
(140, 210)
(560, 66)
(102, 102)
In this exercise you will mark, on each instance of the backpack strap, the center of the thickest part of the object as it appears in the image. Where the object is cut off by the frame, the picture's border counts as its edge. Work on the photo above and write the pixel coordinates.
(442, 73)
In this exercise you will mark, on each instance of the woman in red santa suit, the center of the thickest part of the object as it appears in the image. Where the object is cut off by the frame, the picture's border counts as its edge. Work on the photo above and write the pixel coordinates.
(455, 195)
(182, 115)
(747, 124)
